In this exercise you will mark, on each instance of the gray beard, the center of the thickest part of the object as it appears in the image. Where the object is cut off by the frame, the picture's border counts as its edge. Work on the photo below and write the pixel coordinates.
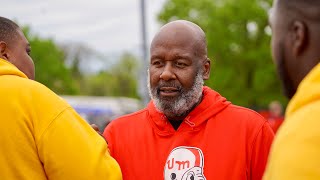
(181, 105)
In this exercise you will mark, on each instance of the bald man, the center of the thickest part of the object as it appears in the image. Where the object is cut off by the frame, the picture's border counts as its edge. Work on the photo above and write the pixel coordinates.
(296, 53)
(187, 131)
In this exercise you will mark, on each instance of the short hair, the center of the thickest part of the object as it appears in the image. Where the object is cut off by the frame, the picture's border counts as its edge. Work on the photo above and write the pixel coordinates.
(309, 9)
(8, 30)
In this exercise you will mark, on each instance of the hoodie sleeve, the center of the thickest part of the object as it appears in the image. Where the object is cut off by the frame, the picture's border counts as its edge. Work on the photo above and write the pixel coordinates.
(70, 149)
(260, 151)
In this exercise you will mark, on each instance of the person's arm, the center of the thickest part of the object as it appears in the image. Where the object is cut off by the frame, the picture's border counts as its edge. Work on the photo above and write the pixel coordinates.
(70, 149)
(260, 151)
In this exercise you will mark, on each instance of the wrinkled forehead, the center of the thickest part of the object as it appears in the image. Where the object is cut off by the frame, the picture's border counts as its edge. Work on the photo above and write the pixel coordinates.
(174, 39)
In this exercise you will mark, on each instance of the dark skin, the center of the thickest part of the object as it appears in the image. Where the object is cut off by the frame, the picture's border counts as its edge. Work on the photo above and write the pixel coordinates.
(295, 41)
(177, 52)
(17, 52)
(96, 128)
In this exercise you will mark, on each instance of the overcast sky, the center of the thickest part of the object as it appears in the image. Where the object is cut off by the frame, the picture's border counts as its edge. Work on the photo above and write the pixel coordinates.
(108, 26)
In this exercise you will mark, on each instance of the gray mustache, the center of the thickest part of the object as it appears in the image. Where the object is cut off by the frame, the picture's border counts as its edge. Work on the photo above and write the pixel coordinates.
(171, 85)
(168, 84)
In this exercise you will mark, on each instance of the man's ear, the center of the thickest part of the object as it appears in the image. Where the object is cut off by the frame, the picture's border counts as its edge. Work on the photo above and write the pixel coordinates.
(206, 66)
(4, 50)
(298, 37)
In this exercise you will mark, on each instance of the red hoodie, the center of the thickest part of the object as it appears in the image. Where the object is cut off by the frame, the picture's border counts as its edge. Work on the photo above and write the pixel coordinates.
(217, 140)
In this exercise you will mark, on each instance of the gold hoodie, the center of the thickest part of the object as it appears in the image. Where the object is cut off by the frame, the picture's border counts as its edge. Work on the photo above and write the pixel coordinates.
(42, 137)
(295, 154)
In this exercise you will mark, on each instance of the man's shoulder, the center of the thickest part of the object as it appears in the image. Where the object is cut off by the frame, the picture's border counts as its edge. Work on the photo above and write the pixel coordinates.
(132, 118)
(245, 120)
(304, 119)
(40, 92)
(128, 125)
(33, 92)
(23, 84)
(244, 114)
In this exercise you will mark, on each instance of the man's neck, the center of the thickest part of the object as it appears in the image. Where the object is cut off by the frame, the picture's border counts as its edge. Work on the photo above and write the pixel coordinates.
(176, 121)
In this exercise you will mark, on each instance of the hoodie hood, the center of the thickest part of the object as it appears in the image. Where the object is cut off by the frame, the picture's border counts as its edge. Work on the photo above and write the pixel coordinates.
(307, 92)
(211, 104)
(6, 68)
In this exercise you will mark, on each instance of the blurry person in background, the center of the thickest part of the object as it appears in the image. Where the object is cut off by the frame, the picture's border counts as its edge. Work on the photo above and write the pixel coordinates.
(188, 130)
(275, 116)
(295, 153)
(41, 136)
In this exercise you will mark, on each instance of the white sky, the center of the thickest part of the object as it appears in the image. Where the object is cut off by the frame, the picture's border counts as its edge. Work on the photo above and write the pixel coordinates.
(108, 26)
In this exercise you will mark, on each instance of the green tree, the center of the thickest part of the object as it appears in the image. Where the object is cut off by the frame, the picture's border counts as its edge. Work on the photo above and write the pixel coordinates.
(238, 44)
(49, 64)
(100, 84)
(125, 73)
(119, 80)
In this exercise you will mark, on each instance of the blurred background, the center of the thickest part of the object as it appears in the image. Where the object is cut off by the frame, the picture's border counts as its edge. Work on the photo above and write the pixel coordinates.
(95, 53)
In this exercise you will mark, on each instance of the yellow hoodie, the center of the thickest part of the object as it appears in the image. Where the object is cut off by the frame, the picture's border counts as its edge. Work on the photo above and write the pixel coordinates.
(295, 154)
(42, 137)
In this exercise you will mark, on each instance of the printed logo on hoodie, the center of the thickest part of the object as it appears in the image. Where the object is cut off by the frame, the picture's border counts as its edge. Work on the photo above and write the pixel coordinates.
(184, 163)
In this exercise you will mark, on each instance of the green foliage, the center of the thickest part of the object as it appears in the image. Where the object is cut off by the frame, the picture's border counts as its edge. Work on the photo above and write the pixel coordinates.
(51, 70)
(49, 65)
(125, 72)
(119, 80)
(238, 45)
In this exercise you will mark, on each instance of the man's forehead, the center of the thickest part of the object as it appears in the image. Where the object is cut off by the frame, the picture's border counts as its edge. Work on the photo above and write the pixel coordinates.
(174, 53)
(178, 45)
(22, 38)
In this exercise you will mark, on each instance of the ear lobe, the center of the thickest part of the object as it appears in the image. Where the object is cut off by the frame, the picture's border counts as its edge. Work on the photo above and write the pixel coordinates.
(206, 72)
(4, 50)
(299, 37)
